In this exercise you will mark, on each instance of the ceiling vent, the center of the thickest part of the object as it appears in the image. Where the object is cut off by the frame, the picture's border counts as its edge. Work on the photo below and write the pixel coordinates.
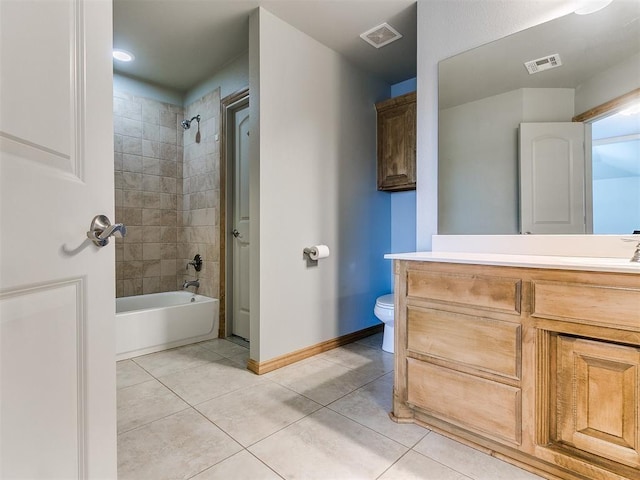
(544, 63)
(381, 35)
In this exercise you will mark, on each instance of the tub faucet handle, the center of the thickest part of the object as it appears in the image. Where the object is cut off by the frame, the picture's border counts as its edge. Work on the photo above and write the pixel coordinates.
(196, 262)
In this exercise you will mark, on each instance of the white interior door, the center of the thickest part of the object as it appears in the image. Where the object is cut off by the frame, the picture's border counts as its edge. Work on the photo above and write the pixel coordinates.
(552, 178)
(241, 224)
(57, 364)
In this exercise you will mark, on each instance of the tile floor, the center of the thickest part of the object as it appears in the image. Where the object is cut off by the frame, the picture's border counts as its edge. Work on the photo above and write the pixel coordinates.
(196, 413)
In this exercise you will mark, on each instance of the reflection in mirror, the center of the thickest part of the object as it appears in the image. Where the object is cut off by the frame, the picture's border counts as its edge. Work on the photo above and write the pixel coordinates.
(486, 93)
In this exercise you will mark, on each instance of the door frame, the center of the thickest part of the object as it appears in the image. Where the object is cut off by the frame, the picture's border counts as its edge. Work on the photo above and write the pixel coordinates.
(592, 115)
(228, 106)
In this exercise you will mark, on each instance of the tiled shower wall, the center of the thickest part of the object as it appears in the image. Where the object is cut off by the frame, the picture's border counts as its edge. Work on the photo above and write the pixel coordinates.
(166, 196)
(148, 157)
(200, 213)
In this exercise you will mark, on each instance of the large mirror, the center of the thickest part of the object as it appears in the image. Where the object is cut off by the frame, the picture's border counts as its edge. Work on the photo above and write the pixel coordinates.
(486, 93)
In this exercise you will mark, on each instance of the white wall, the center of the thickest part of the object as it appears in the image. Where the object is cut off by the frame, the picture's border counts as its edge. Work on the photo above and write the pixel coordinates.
(231, 78)
(446, 28)
(478, 157)
(613, 82)
(317, 184)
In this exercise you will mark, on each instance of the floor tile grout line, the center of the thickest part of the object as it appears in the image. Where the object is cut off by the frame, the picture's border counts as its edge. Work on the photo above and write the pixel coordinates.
(137, 427)
(440, 463)
(369, 428)
(394, 463)
(264, 463)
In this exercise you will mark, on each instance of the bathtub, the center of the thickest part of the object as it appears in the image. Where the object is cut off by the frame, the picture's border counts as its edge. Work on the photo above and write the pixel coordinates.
(158, 321)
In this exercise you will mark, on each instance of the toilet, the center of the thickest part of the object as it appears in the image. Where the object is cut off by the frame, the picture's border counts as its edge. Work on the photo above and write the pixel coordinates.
(384, 312)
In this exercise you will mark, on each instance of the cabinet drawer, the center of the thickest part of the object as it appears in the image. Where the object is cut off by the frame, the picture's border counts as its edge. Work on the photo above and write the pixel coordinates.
(479, 291)
(483, 343)
(489, 407)
(597, 304)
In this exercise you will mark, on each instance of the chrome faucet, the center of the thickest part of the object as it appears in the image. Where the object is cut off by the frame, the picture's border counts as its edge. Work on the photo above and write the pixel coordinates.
(191, 283)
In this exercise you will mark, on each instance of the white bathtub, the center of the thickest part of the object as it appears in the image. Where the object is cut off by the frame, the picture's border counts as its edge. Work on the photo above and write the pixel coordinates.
(158, 321)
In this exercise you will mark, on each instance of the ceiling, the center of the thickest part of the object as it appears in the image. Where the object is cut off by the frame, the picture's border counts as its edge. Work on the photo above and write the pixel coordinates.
(181, 43)
(587, 45)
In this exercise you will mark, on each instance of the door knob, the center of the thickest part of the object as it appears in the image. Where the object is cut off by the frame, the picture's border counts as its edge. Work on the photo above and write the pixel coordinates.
(101, 230)
(236, 233)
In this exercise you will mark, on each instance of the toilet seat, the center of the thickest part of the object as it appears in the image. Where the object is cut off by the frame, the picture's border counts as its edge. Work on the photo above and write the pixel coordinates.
(385, 301)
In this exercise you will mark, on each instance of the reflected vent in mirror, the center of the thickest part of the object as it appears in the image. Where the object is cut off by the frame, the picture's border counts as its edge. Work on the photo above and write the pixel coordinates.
(541, 64)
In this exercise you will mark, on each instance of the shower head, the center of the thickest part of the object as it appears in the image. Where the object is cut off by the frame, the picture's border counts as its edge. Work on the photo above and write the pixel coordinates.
(186, 124)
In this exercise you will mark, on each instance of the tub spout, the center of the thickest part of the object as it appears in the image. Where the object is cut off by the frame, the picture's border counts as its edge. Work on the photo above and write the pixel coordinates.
(190, 283)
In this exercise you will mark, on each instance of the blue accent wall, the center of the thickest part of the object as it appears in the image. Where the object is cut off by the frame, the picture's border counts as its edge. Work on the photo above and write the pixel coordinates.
(403, 204)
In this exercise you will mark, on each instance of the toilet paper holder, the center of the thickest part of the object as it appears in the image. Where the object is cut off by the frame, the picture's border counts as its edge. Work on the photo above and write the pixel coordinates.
(306, 253)
(314, 253)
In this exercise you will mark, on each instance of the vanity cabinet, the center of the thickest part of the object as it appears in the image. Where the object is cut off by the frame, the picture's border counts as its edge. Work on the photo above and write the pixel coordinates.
(539, 366)
(396, 140)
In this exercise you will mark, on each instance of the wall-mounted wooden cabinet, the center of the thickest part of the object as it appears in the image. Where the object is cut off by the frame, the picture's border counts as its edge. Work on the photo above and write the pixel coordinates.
(397, 143)
(540, 366)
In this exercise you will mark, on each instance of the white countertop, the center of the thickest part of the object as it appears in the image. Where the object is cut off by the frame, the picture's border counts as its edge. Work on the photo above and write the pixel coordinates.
(601, 264)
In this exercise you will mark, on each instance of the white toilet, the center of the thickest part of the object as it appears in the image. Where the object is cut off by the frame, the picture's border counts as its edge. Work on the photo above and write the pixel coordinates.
(384, 312)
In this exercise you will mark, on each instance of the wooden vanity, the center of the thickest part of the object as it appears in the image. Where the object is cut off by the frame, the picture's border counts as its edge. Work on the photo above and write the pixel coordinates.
(537, 364)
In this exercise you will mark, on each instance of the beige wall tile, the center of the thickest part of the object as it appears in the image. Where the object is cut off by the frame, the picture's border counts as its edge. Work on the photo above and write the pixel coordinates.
(169, 235)
(167, 267)
(132, 198)
(132, 181)
(132, 286)
(150, 183)
(150, 132)
(168, 283)
(150, 113)
(150, 166)
(168, 218)
(160, 183)
(132, 269)
(134, 234)
(132, 145)
(151, 233)
(151, 200)
(151, 268)
(168, 168)
(151, 217)
(168, 151)
(133, 251)
(167, 184)
(169, 134)
(168, 201)
(151, 251)
(150, 285)
(168, 119)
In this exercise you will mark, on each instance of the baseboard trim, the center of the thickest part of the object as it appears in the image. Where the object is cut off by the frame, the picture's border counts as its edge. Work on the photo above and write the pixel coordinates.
(293, 357)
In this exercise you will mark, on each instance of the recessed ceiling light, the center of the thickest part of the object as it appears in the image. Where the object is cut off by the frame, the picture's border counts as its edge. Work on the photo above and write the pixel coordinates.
(592, 6)
(122, 55)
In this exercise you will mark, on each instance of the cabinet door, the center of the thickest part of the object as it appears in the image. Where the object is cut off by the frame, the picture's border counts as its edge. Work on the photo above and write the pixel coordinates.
(397, 146)
(597, 398)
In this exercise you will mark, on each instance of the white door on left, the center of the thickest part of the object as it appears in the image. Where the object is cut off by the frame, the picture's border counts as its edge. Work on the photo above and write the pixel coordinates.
(57, 364)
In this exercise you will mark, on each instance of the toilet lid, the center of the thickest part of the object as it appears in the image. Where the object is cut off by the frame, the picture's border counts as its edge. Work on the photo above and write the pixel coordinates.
(385, 301)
